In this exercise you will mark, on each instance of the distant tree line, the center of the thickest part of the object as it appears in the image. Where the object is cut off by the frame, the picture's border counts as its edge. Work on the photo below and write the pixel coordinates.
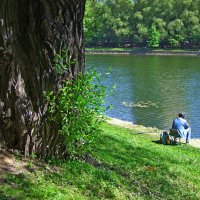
(153, 23)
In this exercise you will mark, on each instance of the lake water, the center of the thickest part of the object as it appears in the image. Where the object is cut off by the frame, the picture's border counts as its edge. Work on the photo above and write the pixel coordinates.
(152, 90)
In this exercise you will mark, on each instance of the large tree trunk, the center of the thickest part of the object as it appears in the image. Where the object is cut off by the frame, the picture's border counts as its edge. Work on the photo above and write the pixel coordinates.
(31, 33)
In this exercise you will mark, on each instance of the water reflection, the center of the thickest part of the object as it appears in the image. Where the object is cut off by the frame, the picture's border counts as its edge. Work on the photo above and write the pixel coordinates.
(151, 90)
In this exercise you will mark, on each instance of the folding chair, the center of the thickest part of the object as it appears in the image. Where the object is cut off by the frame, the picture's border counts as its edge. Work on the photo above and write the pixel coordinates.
(173, 133)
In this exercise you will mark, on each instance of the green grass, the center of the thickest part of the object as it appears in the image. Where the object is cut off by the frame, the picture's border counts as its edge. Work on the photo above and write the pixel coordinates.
(124, 164)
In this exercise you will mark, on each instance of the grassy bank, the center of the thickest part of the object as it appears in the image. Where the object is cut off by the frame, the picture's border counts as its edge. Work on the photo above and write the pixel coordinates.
(124, 164)
(144, 51)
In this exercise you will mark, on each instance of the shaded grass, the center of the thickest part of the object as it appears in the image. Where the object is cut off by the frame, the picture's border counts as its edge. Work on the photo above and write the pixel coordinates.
(124, 164)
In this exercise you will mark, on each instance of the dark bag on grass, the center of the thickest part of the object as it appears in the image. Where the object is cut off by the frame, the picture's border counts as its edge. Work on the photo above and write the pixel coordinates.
(164, 138)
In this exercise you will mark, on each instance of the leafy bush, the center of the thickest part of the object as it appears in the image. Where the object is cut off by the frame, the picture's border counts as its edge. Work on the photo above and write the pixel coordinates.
(174, 42)
(77, 108)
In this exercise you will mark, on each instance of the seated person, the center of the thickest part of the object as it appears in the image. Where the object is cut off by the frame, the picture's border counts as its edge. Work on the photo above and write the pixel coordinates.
(182, 126)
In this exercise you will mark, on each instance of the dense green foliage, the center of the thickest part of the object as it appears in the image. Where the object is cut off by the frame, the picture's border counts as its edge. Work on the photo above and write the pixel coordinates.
(154, 36)
(77, 108)
(118, 23)
(124, 164)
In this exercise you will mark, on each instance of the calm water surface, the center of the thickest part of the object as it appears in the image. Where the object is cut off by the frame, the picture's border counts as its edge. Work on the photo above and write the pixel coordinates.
(151, 90)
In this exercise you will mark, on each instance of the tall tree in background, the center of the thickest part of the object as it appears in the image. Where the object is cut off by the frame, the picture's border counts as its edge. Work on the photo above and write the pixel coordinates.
(154, 37)
(31, 33)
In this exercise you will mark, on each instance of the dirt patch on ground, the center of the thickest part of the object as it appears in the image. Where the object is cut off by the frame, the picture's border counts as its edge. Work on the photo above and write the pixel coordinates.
(9, 164)
(195, 143)
(130, 125)
(17, 164)
(147, 130)
(121, 123)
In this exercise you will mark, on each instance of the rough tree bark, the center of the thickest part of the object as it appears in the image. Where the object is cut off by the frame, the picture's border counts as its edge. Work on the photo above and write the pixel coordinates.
(31, 33)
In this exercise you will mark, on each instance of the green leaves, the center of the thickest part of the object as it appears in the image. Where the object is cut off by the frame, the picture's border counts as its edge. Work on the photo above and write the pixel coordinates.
(154, 37)
(78, 108)
(121, 22)
(61, 62)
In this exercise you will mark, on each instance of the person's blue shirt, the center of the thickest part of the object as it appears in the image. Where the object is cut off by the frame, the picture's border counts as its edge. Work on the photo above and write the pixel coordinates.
(180, 124)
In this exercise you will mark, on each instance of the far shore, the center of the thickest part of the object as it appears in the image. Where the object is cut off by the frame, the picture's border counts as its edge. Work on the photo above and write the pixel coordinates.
(142, 51)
